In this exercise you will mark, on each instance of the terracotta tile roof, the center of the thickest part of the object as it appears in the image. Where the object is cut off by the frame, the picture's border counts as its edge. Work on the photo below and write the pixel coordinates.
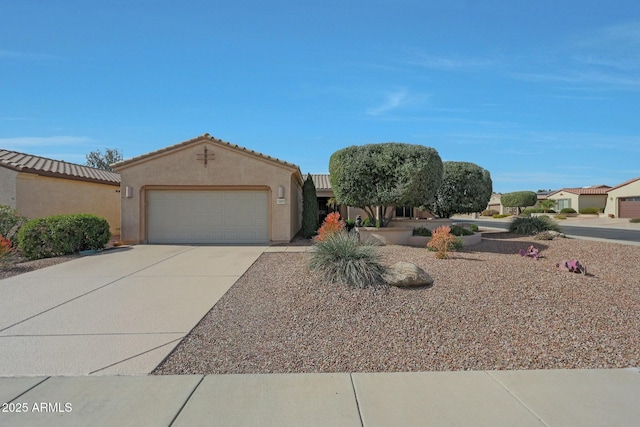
(55, 168)
(599, 190)
(198, 139)
(624, 183)
(322, 181)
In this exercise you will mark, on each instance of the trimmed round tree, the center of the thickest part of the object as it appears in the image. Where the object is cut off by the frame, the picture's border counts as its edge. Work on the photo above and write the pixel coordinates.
(385, 175)
(309, 208)
(519, 199)
(466, 188)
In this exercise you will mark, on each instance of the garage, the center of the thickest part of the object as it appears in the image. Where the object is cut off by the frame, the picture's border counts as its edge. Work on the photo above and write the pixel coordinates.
(208, 191)
(208, 216)
(629, 207)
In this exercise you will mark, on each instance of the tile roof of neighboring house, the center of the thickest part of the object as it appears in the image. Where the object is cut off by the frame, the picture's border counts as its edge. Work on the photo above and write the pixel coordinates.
(624, 183)
(322, 181)
(199, 138)
(55, 168)
(595, 190)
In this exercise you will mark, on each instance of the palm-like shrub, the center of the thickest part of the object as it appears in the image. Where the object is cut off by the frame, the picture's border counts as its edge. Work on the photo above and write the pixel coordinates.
(532, 225)
(341, 258)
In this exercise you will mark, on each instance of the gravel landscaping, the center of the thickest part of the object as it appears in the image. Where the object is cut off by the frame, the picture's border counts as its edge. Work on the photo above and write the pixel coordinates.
(489, 308)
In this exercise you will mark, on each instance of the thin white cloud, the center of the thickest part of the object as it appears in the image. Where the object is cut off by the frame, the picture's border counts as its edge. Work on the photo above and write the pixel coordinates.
(393, 100)
(419, 58)
(9, 54)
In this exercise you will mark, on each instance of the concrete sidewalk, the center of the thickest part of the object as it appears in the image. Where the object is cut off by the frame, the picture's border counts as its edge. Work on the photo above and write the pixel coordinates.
(121, 311)
(482, 398)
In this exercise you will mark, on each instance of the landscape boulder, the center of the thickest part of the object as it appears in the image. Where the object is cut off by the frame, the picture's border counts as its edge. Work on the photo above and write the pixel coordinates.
(404, 274)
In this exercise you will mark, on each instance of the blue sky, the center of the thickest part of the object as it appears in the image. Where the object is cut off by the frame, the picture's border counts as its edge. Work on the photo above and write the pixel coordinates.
(542, 94)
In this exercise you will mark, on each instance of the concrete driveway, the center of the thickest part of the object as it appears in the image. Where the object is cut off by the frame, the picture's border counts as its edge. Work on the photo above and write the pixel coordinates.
(117, 312)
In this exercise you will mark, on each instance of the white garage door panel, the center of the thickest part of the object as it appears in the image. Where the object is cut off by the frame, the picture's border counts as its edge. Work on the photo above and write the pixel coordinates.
(190, 216)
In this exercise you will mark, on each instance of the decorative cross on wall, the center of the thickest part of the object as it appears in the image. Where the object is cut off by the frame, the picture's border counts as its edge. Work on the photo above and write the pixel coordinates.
(205, 156)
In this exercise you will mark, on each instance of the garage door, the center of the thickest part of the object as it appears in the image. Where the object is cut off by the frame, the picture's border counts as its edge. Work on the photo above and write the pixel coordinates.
(193, 216)
(629, 207)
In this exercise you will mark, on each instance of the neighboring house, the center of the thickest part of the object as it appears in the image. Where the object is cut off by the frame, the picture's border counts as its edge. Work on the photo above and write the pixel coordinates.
(205, 190)
(624, 199)
(38, 187)
(579, 198)
(495, 204)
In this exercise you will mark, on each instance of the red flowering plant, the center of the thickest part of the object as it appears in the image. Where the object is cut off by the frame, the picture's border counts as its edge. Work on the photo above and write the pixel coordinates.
(332, 224)
(6, 250)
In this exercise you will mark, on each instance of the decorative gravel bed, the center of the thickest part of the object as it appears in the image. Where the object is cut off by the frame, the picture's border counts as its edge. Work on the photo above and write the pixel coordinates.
(490, 308)
(20, 265)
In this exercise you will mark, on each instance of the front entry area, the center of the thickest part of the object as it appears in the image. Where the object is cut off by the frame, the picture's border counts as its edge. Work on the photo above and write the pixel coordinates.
(207, 216)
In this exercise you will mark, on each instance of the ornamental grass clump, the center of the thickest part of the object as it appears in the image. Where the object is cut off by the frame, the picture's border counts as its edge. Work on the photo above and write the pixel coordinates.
(341, 258)
(532, 225)
(442, 241)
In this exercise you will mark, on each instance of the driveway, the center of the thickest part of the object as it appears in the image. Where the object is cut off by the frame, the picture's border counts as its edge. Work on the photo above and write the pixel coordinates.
(121, 311)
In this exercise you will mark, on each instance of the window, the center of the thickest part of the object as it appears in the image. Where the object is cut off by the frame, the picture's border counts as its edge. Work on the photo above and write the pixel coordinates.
(564, 203)
(404, 212)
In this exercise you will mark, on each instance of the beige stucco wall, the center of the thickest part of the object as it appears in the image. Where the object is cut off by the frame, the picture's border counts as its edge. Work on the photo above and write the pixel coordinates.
(8, 187)
(565, 195)
(230, 169)
(581, 202)
(41, 196)
(629, 190)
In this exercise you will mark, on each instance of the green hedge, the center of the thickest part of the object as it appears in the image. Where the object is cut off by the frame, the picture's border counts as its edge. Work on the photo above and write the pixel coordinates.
(62, 235)
(589, 211)
(568, 210)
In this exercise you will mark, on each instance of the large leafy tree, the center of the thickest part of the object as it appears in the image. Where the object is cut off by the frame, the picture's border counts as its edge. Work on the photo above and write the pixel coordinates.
(385, 175)
(466, 188)
(100, 160)
(519, 199)
(309, 208)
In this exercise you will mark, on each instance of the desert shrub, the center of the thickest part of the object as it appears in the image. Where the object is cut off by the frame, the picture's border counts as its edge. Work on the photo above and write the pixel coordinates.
(500, 215)
(545, 235)
(537, 210)
(350, 224)
(421, 231)
(474, 228)
(567, 210)
(532, 225)
(458, 230)
(7, 251)
(634, 220)
(368, 222)
(561, 216)
(10, 222)
(332, 224)
(442, 241)
(489, 212)
(62, 235)
(341, 258)
(589, 211)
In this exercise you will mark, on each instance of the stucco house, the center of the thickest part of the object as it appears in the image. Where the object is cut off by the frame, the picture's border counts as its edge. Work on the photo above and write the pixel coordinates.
(206, 190)
(623, 200)
(594, 196)
(39, 187)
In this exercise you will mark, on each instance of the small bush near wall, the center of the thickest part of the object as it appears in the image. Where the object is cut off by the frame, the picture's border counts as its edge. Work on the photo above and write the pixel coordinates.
(62, 235)
(635, 220)
(10, 222)
(500, 216)
(489, 212)
(567, 210)
(421, 231)
(589, 211)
